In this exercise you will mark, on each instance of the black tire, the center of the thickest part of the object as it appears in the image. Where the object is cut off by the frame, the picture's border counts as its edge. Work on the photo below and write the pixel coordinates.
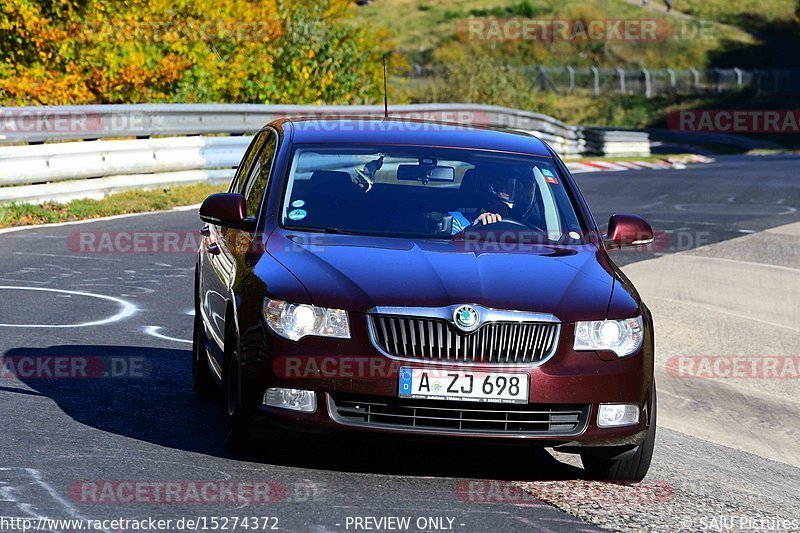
(631, 467)
(235, 416)
(203, 382)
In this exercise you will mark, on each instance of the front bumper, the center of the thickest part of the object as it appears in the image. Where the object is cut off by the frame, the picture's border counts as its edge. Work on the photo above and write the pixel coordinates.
(588, 434)
(354, 370)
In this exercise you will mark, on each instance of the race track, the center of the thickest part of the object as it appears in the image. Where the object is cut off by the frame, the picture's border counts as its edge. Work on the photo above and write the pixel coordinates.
(723, 279)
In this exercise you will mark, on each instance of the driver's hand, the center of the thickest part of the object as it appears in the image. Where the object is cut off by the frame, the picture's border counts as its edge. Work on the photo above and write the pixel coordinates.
(487, 218)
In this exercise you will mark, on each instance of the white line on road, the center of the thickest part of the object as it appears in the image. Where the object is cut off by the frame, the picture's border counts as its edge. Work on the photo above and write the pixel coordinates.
(69, 256)
(153, 330)
(722, 311)
(650, 205)
(740, 261)
(126, 308)
(39, 479)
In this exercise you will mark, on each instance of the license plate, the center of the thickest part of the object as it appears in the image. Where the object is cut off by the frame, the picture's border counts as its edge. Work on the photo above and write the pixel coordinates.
(443, 384)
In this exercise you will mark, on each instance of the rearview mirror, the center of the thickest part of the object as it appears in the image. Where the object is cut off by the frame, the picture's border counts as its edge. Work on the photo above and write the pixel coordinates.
(425, 173)
(628, 230)
(228, 210)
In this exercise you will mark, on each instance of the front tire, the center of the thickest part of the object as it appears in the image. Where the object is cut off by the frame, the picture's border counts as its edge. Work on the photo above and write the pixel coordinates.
(203, 382)
(237, 430)
(631, 467)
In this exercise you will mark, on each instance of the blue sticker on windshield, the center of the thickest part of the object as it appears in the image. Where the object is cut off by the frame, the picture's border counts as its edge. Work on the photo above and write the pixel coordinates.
(297, 214)
(298, 203)
(546, 172)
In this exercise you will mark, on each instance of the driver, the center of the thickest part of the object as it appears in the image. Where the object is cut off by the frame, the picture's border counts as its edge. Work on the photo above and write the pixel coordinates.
(497, 194)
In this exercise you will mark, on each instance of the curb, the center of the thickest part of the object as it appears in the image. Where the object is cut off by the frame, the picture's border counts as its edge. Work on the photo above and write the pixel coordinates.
(676, 163)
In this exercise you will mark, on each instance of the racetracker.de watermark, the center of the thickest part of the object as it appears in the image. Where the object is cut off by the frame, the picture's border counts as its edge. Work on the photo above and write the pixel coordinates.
(734, 366)
(670, 241)
(493, 492)
(178, 29)
(132, 242)
(735, 120)
(414, 121)
(634, 30)
(74, 367)
(9, 524)
(29, 121)
(194, 491)
(183, 242)
(476, 239)
(348, 366)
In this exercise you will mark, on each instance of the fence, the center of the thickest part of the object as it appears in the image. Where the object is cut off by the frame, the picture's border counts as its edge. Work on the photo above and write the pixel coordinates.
(648, 82)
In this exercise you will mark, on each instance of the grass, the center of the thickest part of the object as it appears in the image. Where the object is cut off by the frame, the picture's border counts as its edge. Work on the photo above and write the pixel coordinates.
(769, 151)
(732, 11)
(424, 31)
(743, 33)
(134, 201)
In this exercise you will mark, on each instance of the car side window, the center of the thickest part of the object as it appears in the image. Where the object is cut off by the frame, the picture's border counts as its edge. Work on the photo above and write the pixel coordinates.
(237, 184)
(258, 176)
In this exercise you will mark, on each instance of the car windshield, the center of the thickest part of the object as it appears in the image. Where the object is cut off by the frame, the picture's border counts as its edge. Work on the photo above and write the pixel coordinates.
(425, 192)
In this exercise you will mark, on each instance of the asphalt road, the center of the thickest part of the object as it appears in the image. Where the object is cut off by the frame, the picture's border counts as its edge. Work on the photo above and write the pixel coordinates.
(70, 445)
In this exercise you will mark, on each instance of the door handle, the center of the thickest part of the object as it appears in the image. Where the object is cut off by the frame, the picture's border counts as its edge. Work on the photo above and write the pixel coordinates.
(213, 248)
(205, 231)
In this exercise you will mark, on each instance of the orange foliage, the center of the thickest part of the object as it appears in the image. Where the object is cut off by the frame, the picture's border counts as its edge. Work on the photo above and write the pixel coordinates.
(129, 51)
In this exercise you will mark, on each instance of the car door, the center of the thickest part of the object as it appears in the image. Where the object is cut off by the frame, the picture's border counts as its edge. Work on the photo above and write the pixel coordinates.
(226, 260)
(216, 261)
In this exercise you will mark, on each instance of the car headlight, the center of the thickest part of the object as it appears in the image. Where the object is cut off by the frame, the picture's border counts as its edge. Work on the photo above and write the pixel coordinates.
(295, 321)
(623, 337)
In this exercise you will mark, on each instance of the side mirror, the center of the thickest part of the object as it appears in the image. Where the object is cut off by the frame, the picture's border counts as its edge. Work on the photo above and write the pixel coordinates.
(227, 210)
(628, 230)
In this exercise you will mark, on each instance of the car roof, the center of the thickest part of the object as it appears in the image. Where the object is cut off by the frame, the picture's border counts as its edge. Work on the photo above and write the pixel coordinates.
(406, 131)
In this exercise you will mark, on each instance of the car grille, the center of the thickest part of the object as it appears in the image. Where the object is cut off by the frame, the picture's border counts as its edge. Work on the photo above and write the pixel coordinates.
(458, 416)
(434, 339)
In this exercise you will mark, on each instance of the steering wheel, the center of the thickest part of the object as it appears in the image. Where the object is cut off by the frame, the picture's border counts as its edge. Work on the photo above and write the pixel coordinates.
(508, 222)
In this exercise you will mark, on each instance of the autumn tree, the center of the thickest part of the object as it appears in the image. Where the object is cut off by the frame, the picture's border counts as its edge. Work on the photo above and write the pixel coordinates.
(131, 51)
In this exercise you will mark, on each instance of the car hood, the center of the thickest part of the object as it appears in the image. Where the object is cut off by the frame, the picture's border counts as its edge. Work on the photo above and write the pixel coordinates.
(358, 273)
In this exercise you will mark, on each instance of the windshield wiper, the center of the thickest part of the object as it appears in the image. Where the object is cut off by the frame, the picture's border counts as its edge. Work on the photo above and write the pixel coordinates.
(320, 229)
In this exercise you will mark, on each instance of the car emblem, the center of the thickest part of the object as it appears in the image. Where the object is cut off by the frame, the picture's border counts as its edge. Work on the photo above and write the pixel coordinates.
(466, 318)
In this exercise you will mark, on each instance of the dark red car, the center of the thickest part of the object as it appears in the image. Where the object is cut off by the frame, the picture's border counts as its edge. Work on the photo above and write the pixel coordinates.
(427, 279)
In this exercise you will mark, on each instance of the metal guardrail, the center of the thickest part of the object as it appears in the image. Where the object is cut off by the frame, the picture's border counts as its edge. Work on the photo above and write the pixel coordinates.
(178, 143)
(75, 160)
(97, 188)
(43, 124)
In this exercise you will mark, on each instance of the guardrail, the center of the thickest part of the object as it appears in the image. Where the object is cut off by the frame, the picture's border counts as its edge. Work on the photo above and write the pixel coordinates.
(160, 145)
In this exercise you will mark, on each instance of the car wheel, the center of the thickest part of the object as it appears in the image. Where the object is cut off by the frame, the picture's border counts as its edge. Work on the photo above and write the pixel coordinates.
(237, 434)
(631, 467)
(203, 382)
